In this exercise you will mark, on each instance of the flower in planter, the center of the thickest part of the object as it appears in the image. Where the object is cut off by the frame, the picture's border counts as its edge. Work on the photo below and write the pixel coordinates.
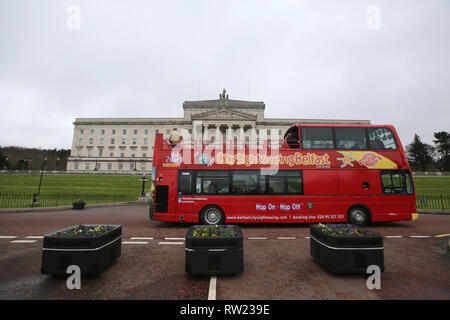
(343, 230)
(222, 231)
(83, 231)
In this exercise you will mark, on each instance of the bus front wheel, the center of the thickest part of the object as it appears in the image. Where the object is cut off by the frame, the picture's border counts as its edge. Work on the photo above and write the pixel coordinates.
(212, 215)
(358, 216)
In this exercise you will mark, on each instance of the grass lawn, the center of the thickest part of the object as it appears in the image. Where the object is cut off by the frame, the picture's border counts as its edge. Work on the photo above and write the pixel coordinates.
(62, 189)
(432, 185)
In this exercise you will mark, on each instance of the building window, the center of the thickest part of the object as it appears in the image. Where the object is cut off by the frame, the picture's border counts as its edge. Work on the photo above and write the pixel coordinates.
(122, 155)
(87, 166)
(131, 166)
(144, 155)
(143, 167)
(156, 131)
(91, 141)
(120, 166)
(103, 131)
(113, 131)
(145, 141)
(111, 154)
(80, 141)
(124, 131)
(123, 140)
(92, 131)
(81, 131)
(76, 166)
(109, 166)
(133, 155)
(102, 141)
(112, 141)
(100, 152)
(145, 131)
(134, 131)
(134, 140)
(78, 153)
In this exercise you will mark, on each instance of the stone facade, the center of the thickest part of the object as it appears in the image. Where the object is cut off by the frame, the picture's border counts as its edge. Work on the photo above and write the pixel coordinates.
(126, 144)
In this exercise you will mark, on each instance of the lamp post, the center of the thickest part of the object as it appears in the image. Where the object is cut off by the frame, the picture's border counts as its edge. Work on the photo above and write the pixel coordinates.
(36, 195)
(143, 179)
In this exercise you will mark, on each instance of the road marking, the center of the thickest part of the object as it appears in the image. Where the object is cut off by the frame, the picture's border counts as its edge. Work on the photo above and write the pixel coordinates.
(306, 237)
(35, 237)
(212, 288)
(420, 236)
(442, 235)
(23, 241)
(257, 238)
(134, 242)
(163, 242)
(393, 236)
(141, 238)
(286, 238)
(8, 237)
(182, 239)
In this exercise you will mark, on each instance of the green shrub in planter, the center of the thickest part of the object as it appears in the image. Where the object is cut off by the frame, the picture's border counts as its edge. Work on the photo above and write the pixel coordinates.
(78, 204)
(91, 247)
(346, 248)
(214, 250)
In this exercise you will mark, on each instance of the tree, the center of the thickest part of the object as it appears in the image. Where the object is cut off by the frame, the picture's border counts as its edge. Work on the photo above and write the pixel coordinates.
(4, 163)
(419, 154)
(443, 149)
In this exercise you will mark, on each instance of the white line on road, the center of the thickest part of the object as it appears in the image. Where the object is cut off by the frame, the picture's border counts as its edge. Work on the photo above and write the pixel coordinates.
(420, 236)
(393, 236)
(163, 242)
(212, 288)
(306, 237)
(257, 238)
(141, 238)
(8, 237)
(134, 242)
(286, 238)
(35, 237)
(182, 239)
(23, 241)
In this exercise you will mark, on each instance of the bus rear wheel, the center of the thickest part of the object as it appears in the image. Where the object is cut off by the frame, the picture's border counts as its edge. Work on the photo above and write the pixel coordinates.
(212, 215)
(358, 216)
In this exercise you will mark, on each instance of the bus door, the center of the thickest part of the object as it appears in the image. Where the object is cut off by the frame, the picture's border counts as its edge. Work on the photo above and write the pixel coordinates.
(165, 193)
(185, 200)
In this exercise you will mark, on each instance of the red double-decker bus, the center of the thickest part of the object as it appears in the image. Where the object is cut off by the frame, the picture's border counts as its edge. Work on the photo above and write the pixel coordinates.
(317, 173)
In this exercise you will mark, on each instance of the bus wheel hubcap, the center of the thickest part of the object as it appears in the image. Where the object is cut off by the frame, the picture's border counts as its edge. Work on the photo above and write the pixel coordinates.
(358, 216)
(212, 216)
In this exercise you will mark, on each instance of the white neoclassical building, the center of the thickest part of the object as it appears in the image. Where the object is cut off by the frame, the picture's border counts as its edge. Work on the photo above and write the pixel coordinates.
(125, 145)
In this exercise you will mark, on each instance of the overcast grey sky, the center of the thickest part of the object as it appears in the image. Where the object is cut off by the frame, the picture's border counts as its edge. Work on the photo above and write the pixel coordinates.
(304, 59)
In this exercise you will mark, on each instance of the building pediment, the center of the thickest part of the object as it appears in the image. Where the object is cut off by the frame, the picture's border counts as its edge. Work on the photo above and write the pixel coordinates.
(223, 115)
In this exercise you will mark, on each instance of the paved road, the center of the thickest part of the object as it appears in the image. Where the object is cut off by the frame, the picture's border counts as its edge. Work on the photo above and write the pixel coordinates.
(277, 263)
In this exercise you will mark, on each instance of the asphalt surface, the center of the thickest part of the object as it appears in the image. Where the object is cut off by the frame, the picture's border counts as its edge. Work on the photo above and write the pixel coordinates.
(277, 261)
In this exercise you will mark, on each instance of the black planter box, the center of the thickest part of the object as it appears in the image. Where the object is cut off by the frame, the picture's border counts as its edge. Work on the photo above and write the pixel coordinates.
(346, 254)
(78, 205)
(214, 256)
(92, 255)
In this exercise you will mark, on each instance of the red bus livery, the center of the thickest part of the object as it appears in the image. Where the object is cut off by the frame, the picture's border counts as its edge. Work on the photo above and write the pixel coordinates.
(319, 173)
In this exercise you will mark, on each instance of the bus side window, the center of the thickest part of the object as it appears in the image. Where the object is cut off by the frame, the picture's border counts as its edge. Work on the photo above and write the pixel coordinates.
(395, 182)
